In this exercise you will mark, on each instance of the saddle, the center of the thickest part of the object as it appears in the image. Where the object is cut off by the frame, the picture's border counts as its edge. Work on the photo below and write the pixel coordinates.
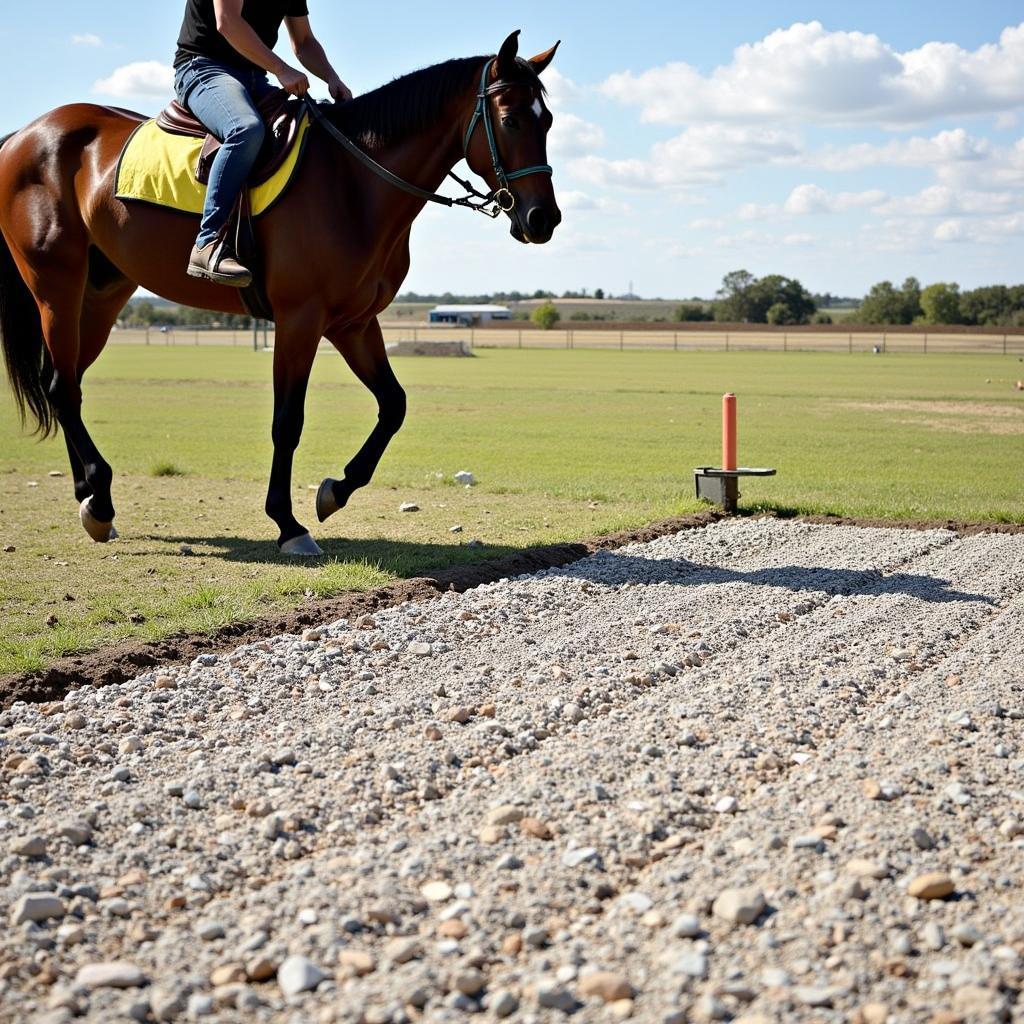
(283, 118)
(280, 113)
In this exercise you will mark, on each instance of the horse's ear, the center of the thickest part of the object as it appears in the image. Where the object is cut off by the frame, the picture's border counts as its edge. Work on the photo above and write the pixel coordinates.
(542, 60)
(505, 65)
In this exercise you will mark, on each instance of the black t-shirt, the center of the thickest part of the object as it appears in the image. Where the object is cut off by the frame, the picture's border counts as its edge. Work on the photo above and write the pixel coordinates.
(200, 37)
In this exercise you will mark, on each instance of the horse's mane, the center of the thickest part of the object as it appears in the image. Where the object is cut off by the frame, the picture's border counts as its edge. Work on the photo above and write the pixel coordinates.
(407, 104)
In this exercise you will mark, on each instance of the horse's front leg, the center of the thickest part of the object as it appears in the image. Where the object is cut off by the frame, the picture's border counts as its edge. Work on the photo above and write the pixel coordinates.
(365, 354)
(295, 347)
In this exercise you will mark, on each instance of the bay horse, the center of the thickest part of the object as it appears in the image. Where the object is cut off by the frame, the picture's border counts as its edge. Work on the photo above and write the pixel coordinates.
(335, 250)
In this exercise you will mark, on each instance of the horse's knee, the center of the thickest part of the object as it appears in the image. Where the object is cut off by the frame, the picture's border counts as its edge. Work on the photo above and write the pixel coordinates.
(392, 410)
(64, 392)
(286, 432)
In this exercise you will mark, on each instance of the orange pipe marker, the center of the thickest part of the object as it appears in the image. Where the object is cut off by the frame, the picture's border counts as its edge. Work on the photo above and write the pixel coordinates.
(729, 431)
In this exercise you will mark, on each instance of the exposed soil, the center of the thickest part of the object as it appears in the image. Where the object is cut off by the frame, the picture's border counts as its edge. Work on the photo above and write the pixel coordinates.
(120, 662)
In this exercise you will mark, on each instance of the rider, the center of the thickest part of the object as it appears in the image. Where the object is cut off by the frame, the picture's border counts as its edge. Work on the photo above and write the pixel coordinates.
(225, 50)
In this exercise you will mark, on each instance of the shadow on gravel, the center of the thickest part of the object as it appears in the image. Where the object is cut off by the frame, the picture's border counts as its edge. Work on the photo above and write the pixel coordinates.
(834, 582)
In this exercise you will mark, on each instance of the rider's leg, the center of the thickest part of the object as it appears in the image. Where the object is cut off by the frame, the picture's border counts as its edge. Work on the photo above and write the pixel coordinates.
(222, 102)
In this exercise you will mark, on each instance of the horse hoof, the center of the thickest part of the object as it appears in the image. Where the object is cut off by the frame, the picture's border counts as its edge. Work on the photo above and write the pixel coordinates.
(326, 506)
(100, 532)
(303, 546)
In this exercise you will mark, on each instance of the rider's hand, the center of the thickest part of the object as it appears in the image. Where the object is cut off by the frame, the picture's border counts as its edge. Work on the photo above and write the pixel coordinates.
(340, 92)
(293, 82)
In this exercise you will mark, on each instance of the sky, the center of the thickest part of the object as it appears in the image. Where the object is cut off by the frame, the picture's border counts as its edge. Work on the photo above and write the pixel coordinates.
(838, 143)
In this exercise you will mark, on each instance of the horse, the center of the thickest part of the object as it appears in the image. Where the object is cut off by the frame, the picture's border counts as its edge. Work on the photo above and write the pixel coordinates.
(335, 250)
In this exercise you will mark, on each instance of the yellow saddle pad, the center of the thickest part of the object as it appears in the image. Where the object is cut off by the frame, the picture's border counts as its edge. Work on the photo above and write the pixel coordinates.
(159, 168)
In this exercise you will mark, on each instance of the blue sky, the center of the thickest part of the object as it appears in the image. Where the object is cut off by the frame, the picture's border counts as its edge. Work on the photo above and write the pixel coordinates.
(837, 143)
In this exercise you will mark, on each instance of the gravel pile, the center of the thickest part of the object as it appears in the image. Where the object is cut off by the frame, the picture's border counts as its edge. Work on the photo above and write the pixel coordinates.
(757, 772)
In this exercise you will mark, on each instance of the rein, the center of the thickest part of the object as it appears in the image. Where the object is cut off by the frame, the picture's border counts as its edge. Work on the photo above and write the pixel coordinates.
(493, 204)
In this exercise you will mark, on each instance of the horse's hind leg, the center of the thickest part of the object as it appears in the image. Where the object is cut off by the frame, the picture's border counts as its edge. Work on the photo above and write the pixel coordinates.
(100, 309)
(59, 287)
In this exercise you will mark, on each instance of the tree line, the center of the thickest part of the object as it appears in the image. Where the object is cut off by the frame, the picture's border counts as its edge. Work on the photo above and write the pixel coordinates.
(996, 305)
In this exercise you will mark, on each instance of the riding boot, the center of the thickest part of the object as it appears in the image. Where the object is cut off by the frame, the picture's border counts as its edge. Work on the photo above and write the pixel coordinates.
(216, 262)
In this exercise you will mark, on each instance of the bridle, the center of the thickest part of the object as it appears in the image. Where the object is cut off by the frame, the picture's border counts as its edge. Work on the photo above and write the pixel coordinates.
(494, 203)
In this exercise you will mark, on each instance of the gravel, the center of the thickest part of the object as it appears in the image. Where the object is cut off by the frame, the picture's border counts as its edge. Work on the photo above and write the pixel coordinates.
(763, 771)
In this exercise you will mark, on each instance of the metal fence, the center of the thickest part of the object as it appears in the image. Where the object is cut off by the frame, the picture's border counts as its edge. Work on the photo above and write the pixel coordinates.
(711, 340)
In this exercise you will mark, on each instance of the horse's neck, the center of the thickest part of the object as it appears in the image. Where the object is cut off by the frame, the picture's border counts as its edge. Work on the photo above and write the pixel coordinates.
(424, 160)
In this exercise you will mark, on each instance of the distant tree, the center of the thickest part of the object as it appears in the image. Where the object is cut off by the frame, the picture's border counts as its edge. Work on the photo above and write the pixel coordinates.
(821, 318)
(546, 316)
(733, 305)
(987, 306)
(884, 304)
(774, 291)
(689, 312)
(598, 293)
(144, 312)
(940, 303)
(744, 298)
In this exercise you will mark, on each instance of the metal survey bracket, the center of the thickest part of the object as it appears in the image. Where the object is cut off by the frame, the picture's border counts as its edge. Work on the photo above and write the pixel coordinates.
(722, 486)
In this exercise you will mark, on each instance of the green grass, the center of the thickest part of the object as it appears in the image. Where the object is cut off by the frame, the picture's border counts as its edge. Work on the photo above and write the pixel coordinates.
(563, 444)
(165, 468)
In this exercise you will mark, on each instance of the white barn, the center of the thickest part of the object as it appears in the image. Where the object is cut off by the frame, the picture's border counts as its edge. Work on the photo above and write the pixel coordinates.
(466, 316)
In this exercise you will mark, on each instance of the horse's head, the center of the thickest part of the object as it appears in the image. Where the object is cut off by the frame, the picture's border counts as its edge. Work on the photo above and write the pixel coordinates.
(520, 120)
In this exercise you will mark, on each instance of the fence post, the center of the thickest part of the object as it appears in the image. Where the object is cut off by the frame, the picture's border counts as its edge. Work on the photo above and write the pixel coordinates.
(622, 340)
(926, 341)
(883, 341)
(1004, 344)
(520, 337)
(675, 341)
(850, 347)
(785, 341)
(197, 335)
(147, 338)
(415, 335)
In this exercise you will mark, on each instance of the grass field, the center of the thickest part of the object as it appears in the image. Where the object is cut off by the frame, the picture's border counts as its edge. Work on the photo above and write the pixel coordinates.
(563, 444)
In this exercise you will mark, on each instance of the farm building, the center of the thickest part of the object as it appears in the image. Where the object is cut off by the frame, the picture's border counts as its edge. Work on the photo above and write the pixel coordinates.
(466, 316)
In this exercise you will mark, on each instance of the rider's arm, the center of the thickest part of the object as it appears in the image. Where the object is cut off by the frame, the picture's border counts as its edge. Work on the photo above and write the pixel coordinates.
(313, 58)
(242, 36)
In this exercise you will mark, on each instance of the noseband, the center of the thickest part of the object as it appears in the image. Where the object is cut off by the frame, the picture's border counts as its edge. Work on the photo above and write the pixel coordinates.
(494, 203)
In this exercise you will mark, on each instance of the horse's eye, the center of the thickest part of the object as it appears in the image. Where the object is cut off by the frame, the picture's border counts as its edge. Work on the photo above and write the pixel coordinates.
(509, 122)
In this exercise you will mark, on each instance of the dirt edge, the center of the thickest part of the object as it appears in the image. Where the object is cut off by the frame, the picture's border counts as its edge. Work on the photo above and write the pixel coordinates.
(120, 662)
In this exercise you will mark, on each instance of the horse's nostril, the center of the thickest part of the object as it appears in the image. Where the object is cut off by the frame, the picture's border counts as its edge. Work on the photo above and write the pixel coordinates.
(537, 222)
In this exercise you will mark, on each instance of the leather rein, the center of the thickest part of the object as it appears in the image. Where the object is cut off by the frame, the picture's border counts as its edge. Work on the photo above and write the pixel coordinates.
(493, 204)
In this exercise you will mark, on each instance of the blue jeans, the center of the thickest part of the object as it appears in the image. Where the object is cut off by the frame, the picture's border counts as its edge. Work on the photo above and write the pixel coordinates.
(224, 99)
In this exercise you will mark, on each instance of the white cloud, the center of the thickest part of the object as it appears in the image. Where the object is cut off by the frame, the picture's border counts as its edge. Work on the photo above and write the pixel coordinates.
(943, 201)
(569, 199)
(757, 211)
(706, 224)
(950, 231)
(808, 199)
(87, 39)
(147, 79)
(799, 239)
(698, 156)
(807, 73)
(562, 91)
(572, 136)
(946, 147)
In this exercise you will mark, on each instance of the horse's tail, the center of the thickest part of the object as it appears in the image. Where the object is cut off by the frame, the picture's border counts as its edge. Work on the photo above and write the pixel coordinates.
(21, 332)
